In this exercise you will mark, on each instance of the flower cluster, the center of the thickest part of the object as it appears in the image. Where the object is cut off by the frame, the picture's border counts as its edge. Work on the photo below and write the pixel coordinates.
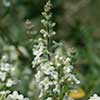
(95, 97)
(54, 72)
(6, 95)
(7, 81)
(16, 96)
(46, 21)
(5, 73)
(55, 76)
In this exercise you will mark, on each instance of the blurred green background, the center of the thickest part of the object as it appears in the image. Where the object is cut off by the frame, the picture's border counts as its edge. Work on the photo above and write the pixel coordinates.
(78, 25)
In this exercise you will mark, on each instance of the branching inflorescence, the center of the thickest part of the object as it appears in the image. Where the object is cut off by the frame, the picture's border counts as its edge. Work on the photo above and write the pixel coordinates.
(54, 72)
(53, 69)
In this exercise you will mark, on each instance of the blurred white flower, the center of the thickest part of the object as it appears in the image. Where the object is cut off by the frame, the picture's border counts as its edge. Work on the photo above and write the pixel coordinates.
(9, 83)
(16, 96)
(5, 57)
(6, 3)
(49, 98)
(4, 92)
(38, 76)
(5, 67)
(2, 76)
(95, 97)
(45, 83)
(57, 89)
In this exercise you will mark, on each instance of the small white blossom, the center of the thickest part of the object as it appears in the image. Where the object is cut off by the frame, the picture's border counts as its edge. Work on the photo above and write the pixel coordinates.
(2, 76)
(5, 67)
(5, 57)
(57, 89)
(6, 3)
(45, 84)
(16, 96)
(49, 98)
(38, 76)
(95, 97)
(4, 92)
(9, 83)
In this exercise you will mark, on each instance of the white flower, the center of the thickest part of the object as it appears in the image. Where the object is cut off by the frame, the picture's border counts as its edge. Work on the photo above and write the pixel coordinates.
(4, 92)
(95, 97)
(38, 76)
(56, 89)
(2, 76)
(49, 98)
(9, 83)
(45, 83)
(54, 75)
(5, 57)
(67, 60)
(16, 96)
(6, 3)
(38, 50)
(67, 69)
(72, 77)
(5, 67)
(48, 69)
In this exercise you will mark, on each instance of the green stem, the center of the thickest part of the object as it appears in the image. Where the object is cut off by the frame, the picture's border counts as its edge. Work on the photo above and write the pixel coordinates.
(48, 41)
